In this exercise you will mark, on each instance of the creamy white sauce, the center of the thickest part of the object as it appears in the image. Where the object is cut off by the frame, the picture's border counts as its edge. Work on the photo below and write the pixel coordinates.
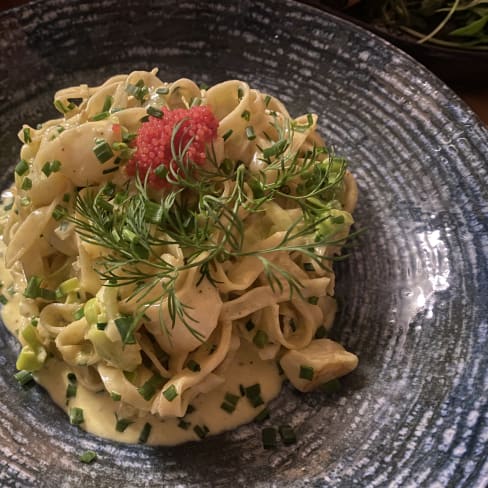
(99, 409)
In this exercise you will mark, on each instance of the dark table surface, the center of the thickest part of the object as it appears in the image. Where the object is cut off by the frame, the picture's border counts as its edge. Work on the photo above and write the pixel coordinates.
(474, 95)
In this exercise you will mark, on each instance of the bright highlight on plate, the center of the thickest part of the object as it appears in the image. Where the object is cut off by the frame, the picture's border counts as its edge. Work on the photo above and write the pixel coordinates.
(168, 256)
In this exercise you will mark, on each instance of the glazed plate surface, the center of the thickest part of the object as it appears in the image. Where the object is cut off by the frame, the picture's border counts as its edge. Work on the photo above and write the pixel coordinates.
(412, 294)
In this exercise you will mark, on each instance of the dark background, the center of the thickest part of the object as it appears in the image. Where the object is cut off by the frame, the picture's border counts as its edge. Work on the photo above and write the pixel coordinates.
(473, 93)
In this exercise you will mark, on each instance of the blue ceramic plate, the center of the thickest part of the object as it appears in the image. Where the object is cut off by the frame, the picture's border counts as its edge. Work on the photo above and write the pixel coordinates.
(413, 293)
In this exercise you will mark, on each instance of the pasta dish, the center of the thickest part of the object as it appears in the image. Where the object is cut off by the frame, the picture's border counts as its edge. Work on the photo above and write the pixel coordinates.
(167, 256)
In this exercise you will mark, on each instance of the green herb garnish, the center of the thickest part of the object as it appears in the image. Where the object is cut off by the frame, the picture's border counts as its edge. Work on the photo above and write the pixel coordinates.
(103, 151)
(145, 432)
(88, 457)
(306, 372)
(24, 377)
(76, 416)
(22, 167)
(268, 436)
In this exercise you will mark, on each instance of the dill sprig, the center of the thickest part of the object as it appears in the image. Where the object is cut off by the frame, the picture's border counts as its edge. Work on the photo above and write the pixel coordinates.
(136, 230)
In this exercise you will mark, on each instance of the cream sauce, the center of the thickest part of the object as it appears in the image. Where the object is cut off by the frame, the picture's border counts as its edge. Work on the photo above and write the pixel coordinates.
(99, 409)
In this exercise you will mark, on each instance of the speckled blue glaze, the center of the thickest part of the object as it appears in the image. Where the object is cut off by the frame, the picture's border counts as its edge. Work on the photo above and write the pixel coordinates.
(413, 292)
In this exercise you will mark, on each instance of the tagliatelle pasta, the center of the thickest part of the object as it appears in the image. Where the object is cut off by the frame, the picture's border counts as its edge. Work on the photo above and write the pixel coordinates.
(168, 256)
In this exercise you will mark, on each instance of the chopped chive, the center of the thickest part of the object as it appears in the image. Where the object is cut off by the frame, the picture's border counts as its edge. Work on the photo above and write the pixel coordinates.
(227, 407)
(116, 397)
(122, 424)
(125, 326)
(107, 103)
(139, 91)
(249, 325)
(46, 168)
(71, 377)
(195, 102)
(55, 166)
(306, 372)
(27, 135)
(88, 457)
(155, 112)
(313, 300)
(332, 386)
(66, 197)
(71, 390)
(250, 133)
(144, 119)
(268, 436)
(253, 390)
(170, 393)
(246, 115)
(24, 201)
(267, 99)
(34, 321)
(144, 435)
(262, 415)
(240, 93)
(119, 146)
(110, 170)
(227, 134)
(3, 299)
(79, 314)
(192, 365)
(100, 116)
(8, 206)
(164, 90)
(256, 401)
(64, 109)
(22, 167)
(128, 136)
(253, 394)
(321, 332)
(76, 416)
(287, 435)
(231, 398)
(101, 325)
(68, 286)
(227, 166)
(260, 339)
(33, 287)
(201, 431)
(59, 212)
(183, 424)
(24, 377)
(109, 189)
(102, 151)
(339, 219)
(308, 266)
(149, 388)
(46, 294)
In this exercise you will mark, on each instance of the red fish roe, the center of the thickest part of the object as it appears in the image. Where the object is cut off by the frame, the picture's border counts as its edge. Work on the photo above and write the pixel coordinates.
(198, 126)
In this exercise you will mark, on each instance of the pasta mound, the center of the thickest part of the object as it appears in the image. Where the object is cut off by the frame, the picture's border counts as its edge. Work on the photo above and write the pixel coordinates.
(171, 266)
